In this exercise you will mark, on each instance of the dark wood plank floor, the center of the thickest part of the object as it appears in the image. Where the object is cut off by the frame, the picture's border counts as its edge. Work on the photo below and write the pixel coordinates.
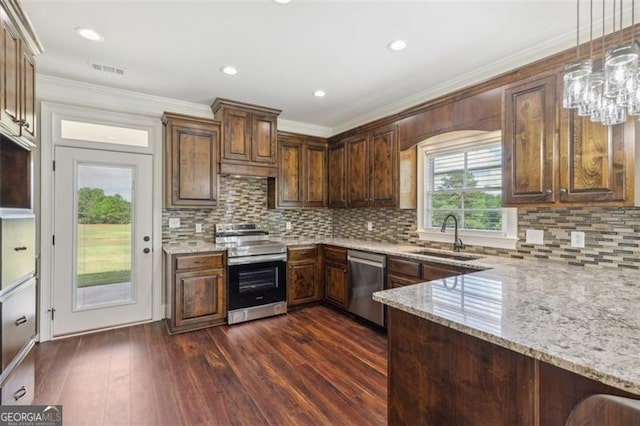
(311, 366)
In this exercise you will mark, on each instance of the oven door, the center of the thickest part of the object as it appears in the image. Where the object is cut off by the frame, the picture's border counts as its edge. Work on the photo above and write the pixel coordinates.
(255, 284)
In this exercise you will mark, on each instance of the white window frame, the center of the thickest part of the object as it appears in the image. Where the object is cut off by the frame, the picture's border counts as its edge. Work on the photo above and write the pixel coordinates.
(453, 141)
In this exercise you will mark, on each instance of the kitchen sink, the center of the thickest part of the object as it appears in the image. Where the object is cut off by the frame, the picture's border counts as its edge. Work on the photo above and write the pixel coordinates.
(445, 255)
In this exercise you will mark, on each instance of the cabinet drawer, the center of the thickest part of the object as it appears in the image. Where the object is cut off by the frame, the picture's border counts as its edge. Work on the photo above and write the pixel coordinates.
(18, 389)
(17, 237)
(200, 261)
(18, 311)
(302, 253)
(335, 254)
(436, 271)
(407, 267)
(394, 281)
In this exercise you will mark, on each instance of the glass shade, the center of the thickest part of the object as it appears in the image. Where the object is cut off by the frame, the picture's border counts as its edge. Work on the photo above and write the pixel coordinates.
(596, 96)
(576, 84)
(621, 65)
(613, 112)
(633, 104)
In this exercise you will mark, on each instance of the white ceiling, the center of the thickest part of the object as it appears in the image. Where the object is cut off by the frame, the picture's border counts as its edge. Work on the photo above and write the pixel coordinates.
(283, 53)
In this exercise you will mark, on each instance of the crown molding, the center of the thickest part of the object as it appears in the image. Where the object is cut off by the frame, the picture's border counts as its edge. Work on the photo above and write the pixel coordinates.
(304, 128)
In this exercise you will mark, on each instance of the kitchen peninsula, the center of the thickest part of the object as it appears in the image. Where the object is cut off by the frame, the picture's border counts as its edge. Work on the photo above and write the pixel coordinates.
(522, 343)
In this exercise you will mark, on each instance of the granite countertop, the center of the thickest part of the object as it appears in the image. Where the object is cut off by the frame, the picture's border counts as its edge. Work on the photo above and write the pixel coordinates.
(191, 247)
(581, 319)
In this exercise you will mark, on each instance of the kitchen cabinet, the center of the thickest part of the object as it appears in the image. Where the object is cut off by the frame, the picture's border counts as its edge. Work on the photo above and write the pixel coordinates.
(249, 138)
(553, 157)
(302, 173)
(435, 271)
(304, 282)
(371, 175)
(403, 271)
(191, 160)
(196, 291)
(17, 82)
(336, 282)
(338, 175)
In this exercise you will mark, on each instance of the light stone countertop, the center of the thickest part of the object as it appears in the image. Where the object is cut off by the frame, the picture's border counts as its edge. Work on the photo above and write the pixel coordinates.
(191, 247)
(582, 319)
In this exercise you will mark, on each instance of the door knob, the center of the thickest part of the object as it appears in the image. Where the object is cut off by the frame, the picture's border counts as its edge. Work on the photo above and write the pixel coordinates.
(146, 238)
(146, 250)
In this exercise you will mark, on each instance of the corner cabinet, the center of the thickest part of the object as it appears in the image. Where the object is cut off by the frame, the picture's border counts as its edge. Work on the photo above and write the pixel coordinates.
(304, 282)
(336, 278)
(554, 158)
(302, 173)
(196, 291)
(191, 160)
(249, 138)
(363, 170)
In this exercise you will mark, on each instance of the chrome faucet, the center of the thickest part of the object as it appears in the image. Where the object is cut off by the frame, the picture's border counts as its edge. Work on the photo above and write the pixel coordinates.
(457, 242)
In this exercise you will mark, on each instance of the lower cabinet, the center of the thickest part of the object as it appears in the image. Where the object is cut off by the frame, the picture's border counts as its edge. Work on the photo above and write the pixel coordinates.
(401, 272)
(336, 283)
(435, 271)
(19, 387)
(304, 283)
(196, 294)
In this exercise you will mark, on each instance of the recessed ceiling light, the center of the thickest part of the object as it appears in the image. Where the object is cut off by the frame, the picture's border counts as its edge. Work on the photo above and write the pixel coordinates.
(319, 93)
(229, 70)
(282, 1)
(397, 45)
(89, 34)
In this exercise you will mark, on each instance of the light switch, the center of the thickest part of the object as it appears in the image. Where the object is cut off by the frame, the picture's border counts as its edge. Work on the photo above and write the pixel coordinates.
(369, 226)
(287, 226)
(198, 227)
(174, 222)
(535, 236)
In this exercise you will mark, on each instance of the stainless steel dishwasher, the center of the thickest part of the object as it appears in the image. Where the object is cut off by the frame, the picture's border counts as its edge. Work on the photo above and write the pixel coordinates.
(366, 276)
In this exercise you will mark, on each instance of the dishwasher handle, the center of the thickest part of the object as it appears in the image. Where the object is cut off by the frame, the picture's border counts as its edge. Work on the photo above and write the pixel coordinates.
(366, 262)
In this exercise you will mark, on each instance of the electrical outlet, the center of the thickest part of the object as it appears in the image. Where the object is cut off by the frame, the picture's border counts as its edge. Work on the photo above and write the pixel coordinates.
(577, 239)
(198, 227)
(174, 222)
(369, 226)
(287, 226)
(535, 236)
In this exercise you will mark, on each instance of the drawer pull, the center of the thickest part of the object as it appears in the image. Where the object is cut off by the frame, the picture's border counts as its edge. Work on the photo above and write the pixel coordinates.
(21, 320)
(23, 248)
(19, 393)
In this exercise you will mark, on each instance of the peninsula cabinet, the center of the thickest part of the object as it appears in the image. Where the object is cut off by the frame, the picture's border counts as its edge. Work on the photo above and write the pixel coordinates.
(336, 281)
(302, 173)
(370, 178)
(249, 138)
(17, 79)
(304, 281)
(196, 295)
(191, 158)
(553, 157)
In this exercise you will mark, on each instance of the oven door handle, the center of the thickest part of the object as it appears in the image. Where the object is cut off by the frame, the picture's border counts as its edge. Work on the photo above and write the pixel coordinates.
(246, 260)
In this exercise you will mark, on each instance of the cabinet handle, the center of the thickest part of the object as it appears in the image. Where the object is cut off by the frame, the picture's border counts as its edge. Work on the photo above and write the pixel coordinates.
(27, 125)
(19, 393)
(548, 192)
(21, 320)
(563, 191)
(23, 248)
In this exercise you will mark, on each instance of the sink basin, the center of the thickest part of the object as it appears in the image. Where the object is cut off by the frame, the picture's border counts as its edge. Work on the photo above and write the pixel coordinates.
(444, 255)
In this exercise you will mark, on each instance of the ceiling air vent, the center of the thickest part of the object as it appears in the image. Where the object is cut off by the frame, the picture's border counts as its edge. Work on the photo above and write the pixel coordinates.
(109, 69)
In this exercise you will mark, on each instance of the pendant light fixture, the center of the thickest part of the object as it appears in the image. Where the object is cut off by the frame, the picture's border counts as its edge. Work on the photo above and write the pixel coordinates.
(576, 74)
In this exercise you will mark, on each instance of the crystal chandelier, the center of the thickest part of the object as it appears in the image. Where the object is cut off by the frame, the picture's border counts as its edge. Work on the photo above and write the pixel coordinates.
(610, 92)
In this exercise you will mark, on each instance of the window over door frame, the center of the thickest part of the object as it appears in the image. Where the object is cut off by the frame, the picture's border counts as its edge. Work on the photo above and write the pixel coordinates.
(456, 141)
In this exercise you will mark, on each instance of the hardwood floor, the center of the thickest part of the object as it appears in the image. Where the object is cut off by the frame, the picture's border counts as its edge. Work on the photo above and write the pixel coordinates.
(311, 366)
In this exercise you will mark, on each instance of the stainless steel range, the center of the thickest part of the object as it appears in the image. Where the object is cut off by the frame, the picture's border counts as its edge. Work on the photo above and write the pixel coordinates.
(256, 272)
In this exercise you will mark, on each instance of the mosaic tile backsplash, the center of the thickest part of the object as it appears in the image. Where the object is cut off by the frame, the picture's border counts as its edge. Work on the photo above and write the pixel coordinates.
(612, 236)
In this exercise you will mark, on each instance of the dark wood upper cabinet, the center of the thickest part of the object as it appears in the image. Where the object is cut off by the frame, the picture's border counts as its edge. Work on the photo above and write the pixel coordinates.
(338, 175)
(302, 173)
(358, 171)
(383, 159)
(249, 138)
(191, 158)
(529, 142)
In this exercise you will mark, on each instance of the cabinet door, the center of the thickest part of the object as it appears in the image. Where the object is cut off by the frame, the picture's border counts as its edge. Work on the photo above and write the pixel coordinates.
(302, 282)
(316, 175)
(335, 283)
(194, 179)
(237, 135)
(383, 160)
(290, 172)
(394, 281)
(27, 95)
(264, 139)
(199, 297)
(10, 73)
(337, 176)
(436, 271)
(594, 167)
(357, 171)
(528, 142)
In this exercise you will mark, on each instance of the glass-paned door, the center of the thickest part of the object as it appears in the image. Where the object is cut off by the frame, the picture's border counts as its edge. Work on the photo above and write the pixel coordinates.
(102, 250)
